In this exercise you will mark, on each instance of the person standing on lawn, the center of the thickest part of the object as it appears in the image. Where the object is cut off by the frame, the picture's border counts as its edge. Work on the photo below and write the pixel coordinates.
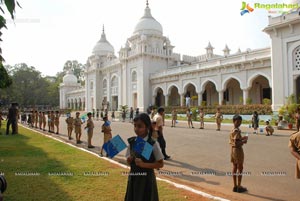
(90, 129)
(77, 126)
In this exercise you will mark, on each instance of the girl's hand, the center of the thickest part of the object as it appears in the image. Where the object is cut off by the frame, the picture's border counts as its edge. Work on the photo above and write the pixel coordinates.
(139, 162)
(129, 159)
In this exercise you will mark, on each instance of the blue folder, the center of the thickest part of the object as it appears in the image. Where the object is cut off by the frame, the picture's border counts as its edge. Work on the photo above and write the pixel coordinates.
(142, 147)
(114, 146)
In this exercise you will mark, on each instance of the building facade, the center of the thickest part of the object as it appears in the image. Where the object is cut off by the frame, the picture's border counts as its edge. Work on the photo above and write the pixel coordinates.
(147, 71)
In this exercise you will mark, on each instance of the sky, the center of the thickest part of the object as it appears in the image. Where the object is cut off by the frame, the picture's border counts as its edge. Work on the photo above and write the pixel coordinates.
(47, 33)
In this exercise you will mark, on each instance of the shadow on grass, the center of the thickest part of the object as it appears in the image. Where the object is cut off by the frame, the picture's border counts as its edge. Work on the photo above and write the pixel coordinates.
(26, 169)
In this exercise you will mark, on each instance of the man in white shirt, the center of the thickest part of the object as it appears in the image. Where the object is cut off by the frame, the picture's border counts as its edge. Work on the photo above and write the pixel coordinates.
(158, 118)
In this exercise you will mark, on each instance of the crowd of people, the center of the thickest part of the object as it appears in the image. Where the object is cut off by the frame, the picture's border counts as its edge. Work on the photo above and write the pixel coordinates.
(149, 126)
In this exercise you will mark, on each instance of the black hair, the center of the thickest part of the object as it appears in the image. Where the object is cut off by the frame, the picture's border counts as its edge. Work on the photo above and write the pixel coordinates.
(89, 113)
(267, 122)
(237, 117)
(161, 109)
(144, 118)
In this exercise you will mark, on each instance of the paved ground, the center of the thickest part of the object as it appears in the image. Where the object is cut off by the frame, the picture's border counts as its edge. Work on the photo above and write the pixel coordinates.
(200, 159)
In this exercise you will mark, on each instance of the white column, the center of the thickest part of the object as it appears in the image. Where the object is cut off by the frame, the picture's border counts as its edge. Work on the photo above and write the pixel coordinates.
(221, 94)
(200, 98)
(181, 99)
(245, 96)
(166, 100)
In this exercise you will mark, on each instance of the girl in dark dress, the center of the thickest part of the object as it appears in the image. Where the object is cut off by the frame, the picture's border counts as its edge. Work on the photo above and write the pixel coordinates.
(141, 184)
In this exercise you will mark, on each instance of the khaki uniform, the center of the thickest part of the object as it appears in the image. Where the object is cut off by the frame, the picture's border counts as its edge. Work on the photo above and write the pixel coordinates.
(295, 144)
(52, 117)
(77, 125)
(270, 129)
(90, 127)
(44, 120)
(219, 117)
(70, 122)
(56, 120)
(189, 116)
(40, 119)
(36, 118)
(174, 115)
(107, 133)
(235, 140)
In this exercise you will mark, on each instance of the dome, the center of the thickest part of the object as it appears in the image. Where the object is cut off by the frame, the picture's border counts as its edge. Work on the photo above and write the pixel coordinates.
(70, 78)
(103, 47)
(148, 25)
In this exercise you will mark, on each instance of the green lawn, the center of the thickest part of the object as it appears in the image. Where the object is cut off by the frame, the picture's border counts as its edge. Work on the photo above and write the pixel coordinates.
(34, 156)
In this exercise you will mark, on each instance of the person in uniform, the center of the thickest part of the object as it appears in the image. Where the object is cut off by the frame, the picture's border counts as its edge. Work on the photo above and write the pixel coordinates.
(174, 117)
(44, 120)
(36, 119)
(294, 145)
(77, 126)
(141, 183)
(201, 117)
(189, 117)
(56, 121)
(70, 123)
(40, 120)
(90, 129)
(219, 118)
(49, 121)
(52, 114)
(236, 142)
(269, 129)
(107, 135)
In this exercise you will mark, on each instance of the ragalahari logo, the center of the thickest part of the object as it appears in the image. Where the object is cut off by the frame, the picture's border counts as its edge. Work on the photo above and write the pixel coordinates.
(246, 8)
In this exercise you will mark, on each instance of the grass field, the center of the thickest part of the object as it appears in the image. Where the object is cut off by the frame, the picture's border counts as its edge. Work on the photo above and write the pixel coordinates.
(40, 168)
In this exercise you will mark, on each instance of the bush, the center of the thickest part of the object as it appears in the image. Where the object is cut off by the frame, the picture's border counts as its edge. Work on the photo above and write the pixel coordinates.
(226, 109)
(266, 101)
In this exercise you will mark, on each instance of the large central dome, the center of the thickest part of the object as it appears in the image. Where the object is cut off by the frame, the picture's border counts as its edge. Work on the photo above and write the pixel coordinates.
(148, 25)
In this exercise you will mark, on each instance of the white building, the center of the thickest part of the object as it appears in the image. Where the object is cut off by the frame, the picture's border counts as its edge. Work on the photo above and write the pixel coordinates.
(147, 71)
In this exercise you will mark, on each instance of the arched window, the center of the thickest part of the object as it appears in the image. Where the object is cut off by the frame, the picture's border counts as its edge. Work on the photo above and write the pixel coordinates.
(114, 85)
(134, 76)
(296, 59)
(92, 85)
(114, 82)
(104, 84)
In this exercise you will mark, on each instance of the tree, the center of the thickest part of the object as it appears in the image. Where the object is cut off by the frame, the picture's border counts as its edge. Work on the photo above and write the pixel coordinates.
(5, 80)
(30, 88)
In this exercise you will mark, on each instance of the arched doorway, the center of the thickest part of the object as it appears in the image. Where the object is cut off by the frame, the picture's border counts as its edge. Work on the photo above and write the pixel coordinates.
(233, 94)
(174, 98)
(260, 89)
(160, 98)
(191, 92)
(210, 95)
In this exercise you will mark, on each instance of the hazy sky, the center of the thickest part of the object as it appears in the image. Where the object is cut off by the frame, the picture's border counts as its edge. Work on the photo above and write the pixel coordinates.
(47, 33)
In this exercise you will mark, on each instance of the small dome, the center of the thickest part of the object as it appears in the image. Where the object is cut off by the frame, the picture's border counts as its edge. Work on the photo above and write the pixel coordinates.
(70, 78)
(103, 47)
(148, 25)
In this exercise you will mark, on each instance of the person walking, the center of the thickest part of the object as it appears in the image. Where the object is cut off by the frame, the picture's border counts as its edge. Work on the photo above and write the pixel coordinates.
(158, 118)
(255, 122)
